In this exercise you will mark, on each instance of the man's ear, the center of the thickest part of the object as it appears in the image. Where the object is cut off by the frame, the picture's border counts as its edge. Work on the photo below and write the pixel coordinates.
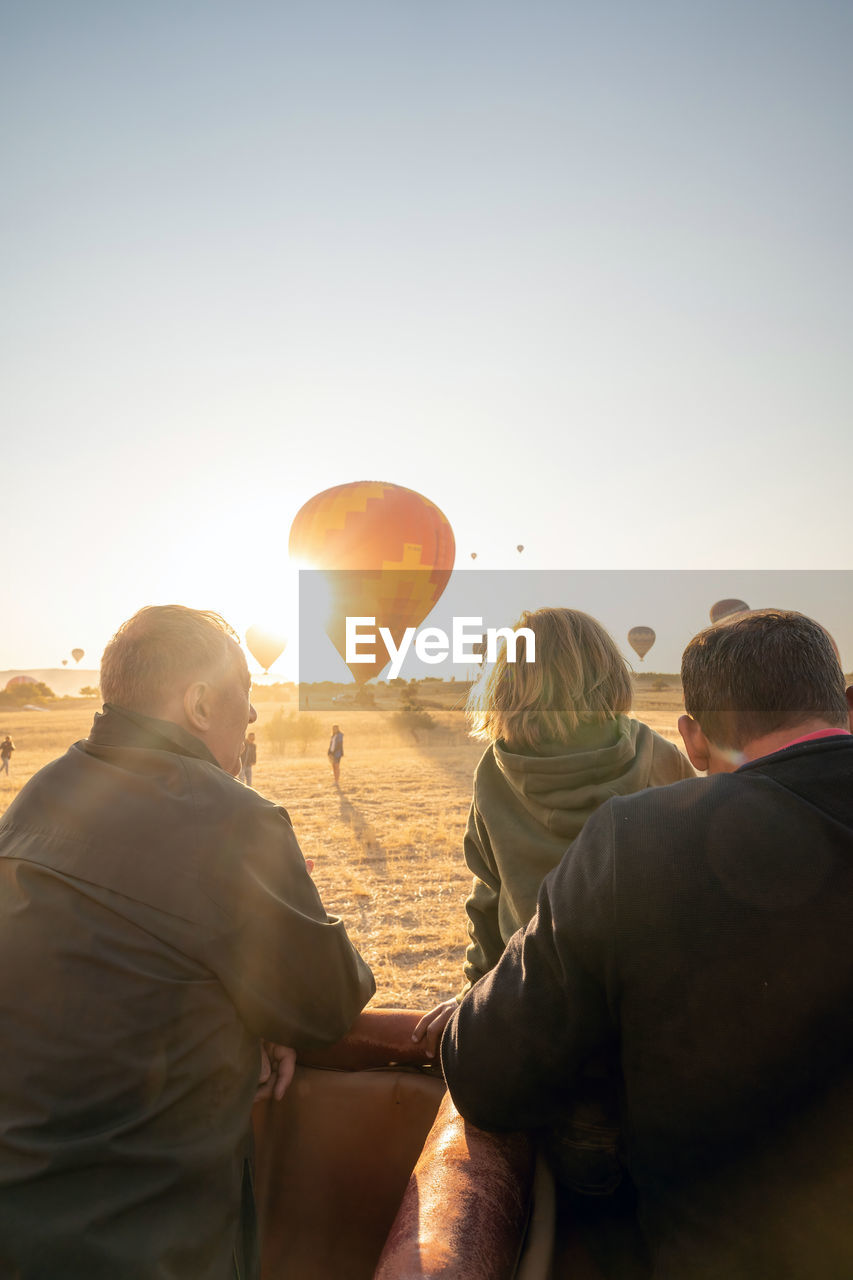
(197, 707)
(850, 705)
(695, 743)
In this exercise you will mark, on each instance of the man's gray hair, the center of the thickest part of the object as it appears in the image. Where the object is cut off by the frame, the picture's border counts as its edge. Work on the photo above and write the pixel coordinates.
(161, 649)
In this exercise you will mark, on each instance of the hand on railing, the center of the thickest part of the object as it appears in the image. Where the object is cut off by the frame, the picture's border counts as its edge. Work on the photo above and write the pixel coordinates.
(278, 1064)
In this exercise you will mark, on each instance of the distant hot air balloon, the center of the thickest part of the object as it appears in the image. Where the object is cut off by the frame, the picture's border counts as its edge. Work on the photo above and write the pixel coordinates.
(520, 548)
(77, 654)
(724, 609)
(641, 640)
(386, 552)
(65, 662)
(265, 646)
(16, 680)
(473, 555)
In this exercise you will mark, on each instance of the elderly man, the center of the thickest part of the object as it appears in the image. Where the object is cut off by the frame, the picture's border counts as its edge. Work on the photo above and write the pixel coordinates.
(157, 922)
(700, 936)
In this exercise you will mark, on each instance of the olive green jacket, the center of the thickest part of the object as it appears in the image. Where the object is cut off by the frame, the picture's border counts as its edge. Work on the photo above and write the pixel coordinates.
(157, 920)
(527, 809)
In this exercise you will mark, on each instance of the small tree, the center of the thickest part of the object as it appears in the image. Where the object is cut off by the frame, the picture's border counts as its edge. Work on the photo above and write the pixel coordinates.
(90, 691)
(24, 692)
(412, 717)
(277, 731)
(295, 727)
(303, 728)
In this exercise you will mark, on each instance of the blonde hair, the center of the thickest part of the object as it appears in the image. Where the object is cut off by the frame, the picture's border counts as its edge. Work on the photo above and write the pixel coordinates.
(579, 677)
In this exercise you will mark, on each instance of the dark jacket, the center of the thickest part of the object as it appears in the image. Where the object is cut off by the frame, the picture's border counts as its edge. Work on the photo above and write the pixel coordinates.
(700, 935)
(156, 920)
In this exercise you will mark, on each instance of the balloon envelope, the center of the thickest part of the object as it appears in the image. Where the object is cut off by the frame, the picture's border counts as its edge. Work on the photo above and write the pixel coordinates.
(725, 608)
(387, 552)
(77, 654)
(473, 555)
(15, 680)
(264, 646)
(520, 547)
(641, 640)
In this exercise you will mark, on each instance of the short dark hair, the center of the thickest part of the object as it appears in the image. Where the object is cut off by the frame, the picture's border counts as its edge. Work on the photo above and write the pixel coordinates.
(756, 672)
(160, 648)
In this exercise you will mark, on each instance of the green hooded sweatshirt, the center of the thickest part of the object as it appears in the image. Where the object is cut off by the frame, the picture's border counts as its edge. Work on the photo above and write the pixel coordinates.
(527, 809)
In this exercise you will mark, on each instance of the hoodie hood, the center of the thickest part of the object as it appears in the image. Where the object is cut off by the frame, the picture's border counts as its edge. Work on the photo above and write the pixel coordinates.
(562, 788)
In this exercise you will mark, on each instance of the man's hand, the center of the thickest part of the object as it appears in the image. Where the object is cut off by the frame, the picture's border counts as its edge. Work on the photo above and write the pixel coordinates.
(432, 1024)
(278, 1063)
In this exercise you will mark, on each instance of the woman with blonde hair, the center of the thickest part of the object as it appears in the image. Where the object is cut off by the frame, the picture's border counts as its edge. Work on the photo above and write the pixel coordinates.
(560, 743)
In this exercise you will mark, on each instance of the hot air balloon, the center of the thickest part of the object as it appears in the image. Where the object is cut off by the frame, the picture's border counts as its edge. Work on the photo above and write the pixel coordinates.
(77, 654)
(724, 609)
(520, 548)
(264, 646)
(386, 552)
(641, 640)
(16, 680)
(473, 555)
(65, 662)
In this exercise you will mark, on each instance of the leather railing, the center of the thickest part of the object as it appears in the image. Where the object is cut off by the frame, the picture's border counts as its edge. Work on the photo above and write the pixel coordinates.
(465, 1209)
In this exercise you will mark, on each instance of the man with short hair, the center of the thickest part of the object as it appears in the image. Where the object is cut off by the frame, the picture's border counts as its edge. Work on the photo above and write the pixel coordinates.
(699, 937)
(157, 923)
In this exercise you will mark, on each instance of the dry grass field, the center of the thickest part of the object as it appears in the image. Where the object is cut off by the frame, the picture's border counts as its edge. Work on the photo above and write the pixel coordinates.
(387, 846)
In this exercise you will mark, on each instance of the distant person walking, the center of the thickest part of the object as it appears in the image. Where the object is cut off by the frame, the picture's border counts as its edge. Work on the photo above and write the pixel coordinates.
(248, 759)
(336, 750)
(7, 746)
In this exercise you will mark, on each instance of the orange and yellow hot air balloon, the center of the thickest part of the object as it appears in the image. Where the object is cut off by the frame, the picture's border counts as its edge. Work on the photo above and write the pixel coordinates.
(385, 551)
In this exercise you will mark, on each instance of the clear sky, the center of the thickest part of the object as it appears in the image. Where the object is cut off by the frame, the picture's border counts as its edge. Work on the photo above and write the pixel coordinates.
(581, 274)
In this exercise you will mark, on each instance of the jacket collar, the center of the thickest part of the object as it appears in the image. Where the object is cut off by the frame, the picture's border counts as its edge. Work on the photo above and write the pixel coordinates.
(118, 727)
(818, 746)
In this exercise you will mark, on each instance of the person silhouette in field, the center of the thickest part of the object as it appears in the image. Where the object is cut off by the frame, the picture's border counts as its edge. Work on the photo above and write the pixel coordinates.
(336, 751)
(248, 759)
(162, 948)
(7, 746)
(560, 743)
(696, 939)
